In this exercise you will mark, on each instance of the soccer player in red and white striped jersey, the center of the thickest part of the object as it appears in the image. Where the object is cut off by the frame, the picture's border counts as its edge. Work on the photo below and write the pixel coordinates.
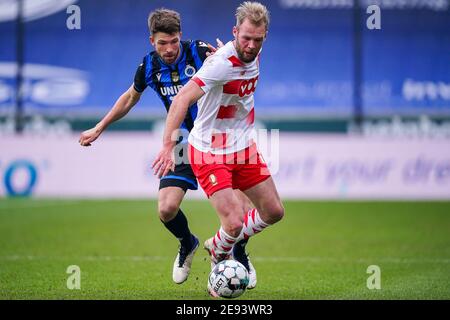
(222, 152)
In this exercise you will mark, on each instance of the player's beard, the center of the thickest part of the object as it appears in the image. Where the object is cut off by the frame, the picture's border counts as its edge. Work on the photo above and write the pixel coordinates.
(245, 57)
(169, 59)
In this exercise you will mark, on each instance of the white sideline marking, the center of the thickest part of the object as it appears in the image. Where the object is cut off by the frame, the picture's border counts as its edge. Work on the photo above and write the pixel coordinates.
(259, 259)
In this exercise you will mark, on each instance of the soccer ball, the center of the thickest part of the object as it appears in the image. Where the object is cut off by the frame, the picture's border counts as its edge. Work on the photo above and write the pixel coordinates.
(228, 279)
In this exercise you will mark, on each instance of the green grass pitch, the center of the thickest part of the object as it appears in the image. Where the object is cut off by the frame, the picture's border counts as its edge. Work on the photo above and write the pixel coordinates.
(321, 250)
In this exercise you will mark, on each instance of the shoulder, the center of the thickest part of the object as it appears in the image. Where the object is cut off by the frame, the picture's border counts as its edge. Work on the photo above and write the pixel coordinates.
(223, 57)
(199, 48)
(150, 57)
(149, 66)
(218, 62)
(228, 55)
(218, 67)
(152, 63)
(140, 82)
(143, 65)
(146, 60)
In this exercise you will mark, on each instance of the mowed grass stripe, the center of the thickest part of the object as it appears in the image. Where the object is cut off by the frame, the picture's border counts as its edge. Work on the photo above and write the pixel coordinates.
(321, 250)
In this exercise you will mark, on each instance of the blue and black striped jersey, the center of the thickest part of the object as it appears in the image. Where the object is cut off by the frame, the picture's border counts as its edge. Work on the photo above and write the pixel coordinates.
(167, 80)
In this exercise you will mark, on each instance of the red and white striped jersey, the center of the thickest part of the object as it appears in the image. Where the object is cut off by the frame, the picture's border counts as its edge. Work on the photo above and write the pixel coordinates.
(225, 118)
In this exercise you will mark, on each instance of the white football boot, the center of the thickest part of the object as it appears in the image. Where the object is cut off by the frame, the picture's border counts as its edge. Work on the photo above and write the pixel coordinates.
(251, 276)
(183, 262)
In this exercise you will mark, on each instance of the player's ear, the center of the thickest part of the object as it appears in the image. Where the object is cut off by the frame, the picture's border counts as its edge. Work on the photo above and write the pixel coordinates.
(152, 40)
(235, 30)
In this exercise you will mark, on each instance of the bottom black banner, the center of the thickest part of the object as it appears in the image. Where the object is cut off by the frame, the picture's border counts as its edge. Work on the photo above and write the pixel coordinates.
(224, 309)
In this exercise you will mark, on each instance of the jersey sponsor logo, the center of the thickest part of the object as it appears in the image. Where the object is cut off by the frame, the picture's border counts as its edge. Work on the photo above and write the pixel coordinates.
(189, 71)
(171, 91)
(248, 87)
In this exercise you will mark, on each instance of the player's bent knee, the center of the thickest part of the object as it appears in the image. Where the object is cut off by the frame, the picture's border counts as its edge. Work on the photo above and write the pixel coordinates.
(280, 213)
(167, 211)
(276, 213)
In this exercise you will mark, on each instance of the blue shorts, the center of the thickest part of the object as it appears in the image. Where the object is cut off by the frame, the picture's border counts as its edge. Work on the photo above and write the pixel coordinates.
(183, 177)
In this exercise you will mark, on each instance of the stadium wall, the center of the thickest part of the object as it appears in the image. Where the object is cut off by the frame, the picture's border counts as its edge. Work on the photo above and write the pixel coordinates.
(303, 166)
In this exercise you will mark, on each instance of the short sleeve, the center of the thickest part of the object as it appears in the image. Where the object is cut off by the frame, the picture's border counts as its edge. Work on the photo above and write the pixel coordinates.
(139, 78)
(214, 72)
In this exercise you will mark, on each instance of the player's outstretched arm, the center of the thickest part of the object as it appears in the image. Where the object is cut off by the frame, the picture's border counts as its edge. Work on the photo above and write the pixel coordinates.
(122, 106)
(187, 96)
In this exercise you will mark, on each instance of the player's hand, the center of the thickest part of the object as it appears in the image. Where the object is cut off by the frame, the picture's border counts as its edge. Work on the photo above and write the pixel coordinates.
(164, 162)
(89, 136)
(213, 49)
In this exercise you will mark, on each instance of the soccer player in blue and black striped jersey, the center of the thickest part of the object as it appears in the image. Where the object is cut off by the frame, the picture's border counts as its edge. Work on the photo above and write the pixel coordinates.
(166, 70)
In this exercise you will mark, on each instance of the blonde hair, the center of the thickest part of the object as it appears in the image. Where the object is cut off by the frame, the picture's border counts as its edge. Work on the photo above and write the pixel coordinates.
(255, 12)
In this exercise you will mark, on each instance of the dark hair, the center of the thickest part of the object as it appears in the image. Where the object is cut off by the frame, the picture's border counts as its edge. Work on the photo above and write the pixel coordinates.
(164, 20)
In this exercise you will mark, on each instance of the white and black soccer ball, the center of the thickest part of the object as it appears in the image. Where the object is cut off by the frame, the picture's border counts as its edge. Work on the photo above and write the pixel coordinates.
(228, 279)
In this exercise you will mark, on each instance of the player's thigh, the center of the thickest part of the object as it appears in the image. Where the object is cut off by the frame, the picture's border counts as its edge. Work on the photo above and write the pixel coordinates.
(267, 201)
(169, 200)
